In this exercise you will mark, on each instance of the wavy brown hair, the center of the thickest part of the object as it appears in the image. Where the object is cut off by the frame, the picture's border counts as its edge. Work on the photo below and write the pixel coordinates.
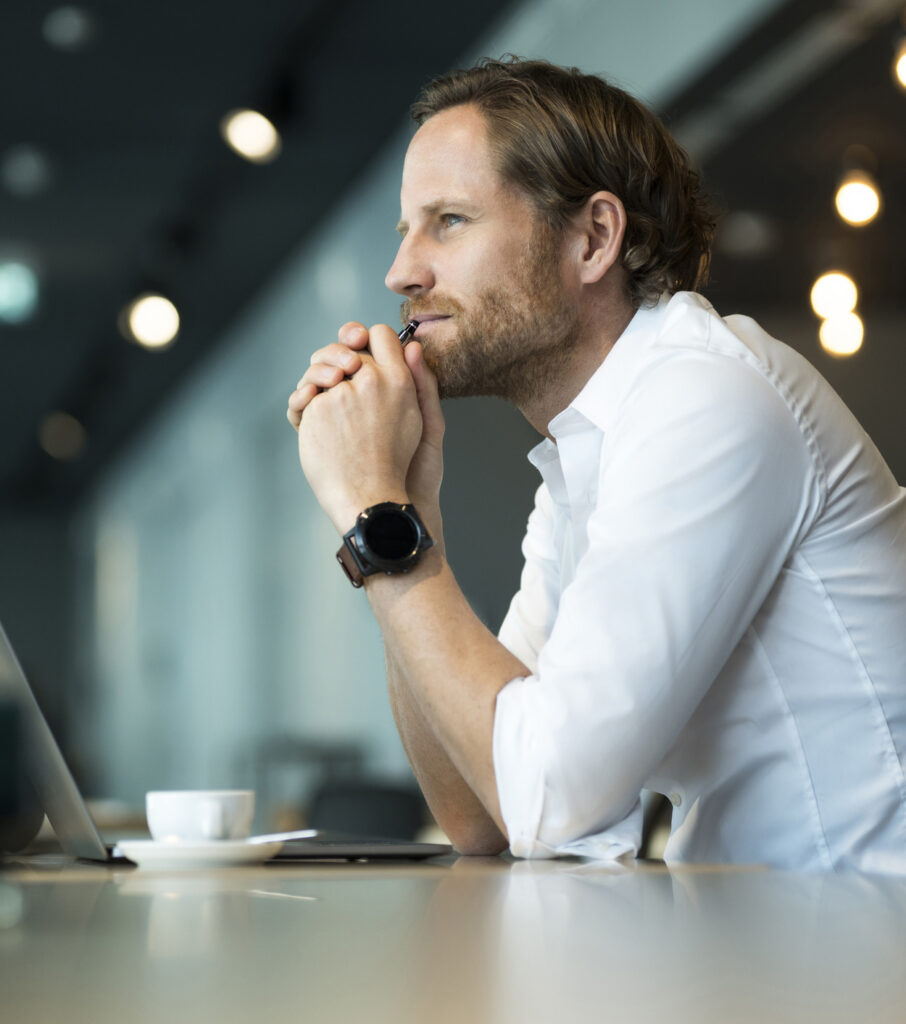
(559, 136)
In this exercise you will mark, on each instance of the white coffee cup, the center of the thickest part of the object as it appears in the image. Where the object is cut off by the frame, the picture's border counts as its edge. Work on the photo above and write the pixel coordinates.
(200, 815)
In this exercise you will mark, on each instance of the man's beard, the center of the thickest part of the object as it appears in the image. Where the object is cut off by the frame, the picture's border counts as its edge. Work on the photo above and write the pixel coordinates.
(511, 340)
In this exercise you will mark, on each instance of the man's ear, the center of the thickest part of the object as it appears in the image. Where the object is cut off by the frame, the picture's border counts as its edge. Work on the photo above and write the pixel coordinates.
(599, 228)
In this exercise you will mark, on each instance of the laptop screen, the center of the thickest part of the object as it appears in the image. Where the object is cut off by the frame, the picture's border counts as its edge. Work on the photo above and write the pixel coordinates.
(47, 770)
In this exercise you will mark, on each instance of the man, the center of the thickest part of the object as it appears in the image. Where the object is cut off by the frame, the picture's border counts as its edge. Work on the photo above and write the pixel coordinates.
(714, 594)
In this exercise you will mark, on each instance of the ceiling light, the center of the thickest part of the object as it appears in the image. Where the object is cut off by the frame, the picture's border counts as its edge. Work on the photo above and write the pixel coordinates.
(68, 28)
(858, 199)
(841, 335)
(151, 320)
(18, 292)
(834, 294)
(61, 436)
(899, 64)
(24, 170)
(251, 135)
(746, 234)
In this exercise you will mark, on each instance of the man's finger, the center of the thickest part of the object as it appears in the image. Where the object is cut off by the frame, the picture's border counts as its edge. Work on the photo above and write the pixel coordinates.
(353, 334)
(323, 376)
(298, 400)
(385, 345)
(336, 354)
(425, 389)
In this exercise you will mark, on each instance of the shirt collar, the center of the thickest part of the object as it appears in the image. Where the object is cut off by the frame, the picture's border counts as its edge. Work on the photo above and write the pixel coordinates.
(597, 402)
(601, 397)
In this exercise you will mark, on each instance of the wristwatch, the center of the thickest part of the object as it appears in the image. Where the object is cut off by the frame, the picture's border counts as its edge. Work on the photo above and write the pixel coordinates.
(386, 538)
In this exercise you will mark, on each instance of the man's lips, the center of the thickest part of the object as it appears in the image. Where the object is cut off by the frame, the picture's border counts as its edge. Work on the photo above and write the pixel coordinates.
(425, 319)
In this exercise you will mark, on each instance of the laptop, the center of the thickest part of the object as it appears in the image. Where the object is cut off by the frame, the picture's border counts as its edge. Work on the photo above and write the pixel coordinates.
(76, 831)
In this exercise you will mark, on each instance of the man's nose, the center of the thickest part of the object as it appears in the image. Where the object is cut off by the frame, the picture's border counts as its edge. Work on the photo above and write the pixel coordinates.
(410, 272)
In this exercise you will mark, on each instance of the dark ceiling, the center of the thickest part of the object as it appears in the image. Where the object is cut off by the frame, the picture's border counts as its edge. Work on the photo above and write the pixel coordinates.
(144, 193)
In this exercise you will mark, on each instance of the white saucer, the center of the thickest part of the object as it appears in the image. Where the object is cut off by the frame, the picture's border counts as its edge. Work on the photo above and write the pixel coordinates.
(148, 853)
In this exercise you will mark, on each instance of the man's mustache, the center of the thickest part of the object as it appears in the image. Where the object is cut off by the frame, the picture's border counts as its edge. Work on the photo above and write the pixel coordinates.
(410, 309)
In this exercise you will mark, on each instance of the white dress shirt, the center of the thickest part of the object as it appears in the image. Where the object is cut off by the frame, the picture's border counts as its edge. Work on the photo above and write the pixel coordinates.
(713, 607)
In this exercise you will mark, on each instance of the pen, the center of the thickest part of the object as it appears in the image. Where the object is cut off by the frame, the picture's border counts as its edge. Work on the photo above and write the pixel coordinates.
(406, 333)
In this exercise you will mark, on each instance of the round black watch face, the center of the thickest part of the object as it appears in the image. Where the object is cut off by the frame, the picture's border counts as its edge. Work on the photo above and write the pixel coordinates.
(391, 534)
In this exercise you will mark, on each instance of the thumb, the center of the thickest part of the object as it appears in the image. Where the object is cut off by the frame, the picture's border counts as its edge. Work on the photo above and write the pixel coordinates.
(426, 390)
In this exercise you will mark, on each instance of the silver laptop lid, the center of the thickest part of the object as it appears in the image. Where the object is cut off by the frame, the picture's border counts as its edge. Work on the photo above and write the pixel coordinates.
(48, 772)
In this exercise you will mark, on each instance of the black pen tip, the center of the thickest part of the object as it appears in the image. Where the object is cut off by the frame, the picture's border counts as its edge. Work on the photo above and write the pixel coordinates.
(406, 333)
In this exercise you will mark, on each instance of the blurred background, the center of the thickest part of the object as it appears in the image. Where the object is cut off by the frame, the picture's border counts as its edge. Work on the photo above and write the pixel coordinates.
(194, 195)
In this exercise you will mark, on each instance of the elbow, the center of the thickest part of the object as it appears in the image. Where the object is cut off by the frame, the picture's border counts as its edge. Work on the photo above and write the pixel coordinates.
(480, 846)
(478, 839)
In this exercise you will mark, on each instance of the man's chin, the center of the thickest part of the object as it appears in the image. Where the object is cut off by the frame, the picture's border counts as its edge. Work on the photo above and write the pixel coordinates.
(438, 350)
(438, 366)
(438, 361)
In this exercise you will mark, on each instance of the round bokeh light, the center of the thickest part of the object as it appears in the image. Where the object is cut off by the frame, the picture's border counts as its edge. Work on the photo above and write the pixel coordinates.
(153, 320)
(251, 135)
(842, 334)
(18, 292)
(834, 293)
(858, 200)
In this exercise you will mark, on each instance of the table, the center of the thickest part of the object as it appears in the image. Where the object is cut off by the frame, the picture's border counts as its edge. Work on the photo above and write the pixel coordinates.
(467, 940)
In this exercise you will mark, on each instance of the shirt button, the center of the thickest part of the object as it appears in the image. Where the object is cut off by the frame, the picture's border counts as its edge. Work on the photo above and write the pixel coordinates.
(676, 799)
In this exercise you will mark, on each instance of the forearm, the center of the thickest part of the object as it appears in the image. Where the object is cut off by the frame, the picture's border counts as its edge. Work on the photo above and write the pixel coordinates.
(447, 671)
(454, 805)
(372, 432)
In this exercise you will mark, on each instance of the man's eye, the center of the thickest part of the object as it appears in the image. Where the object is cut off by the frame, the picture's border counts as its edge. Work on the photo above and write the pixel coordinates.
(449, 219)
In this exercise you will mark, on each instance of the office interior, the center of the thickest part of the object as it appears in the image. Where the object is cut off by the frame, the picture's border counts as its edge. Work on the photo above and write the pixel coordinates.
(166, 575)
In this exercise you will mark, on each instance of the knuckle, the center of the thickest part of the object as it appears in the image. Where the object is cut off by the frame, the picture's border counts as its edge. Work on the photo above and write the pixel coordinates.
(400, 379)
(321, 376)
(345, 356)
(334, 354)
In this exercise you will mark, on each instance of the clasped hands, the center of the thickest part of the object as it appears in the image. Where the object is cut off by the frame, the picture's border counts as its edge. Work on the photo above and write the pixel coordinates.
(370, 424)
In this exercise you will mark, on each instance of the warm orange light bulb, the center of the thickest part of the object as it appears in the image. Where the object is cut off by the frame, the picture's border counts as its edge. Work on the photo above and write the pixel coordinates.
(858, 199)
(842, 334)
(834, 293)
(899, 64)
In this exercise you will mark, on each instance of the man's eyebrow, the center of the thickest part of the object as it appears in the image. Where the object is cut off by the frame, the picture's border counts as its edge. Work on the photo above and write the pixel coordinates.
(439, 204)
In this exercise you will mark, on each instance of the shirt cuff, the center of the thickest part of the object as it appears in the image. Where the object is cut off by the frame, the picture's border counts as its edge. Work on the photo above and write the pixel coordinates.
(521, 768)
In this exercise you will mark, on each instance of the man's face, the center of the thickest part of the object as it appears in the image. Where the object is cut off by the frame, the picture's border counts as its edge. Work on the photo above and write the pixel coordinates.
(480, 272)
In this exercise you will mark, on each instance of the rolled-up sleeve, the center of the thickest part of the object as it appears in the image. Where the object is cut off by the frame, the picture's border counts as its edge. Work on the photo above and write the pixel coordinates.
(703, 487)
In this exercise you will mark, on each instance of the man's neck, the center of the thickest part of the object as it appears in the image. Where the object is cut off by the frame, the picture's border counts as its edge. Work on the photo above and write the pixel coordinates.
(601, 328)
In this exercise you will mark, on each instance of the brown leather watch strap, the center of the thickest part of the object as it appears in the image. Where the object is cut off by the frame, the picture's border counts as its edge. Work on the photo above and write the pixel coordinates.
(344, 557)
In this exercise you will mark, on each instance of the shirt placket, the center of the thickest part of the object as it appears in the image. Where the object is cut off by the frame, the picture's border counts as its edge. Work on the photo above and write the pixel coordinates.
(580, 453)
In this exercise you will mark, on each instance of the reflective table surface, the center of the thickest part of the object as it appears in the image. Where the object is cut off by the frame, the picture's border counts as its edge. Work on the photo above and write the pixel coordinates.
(468, 940)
